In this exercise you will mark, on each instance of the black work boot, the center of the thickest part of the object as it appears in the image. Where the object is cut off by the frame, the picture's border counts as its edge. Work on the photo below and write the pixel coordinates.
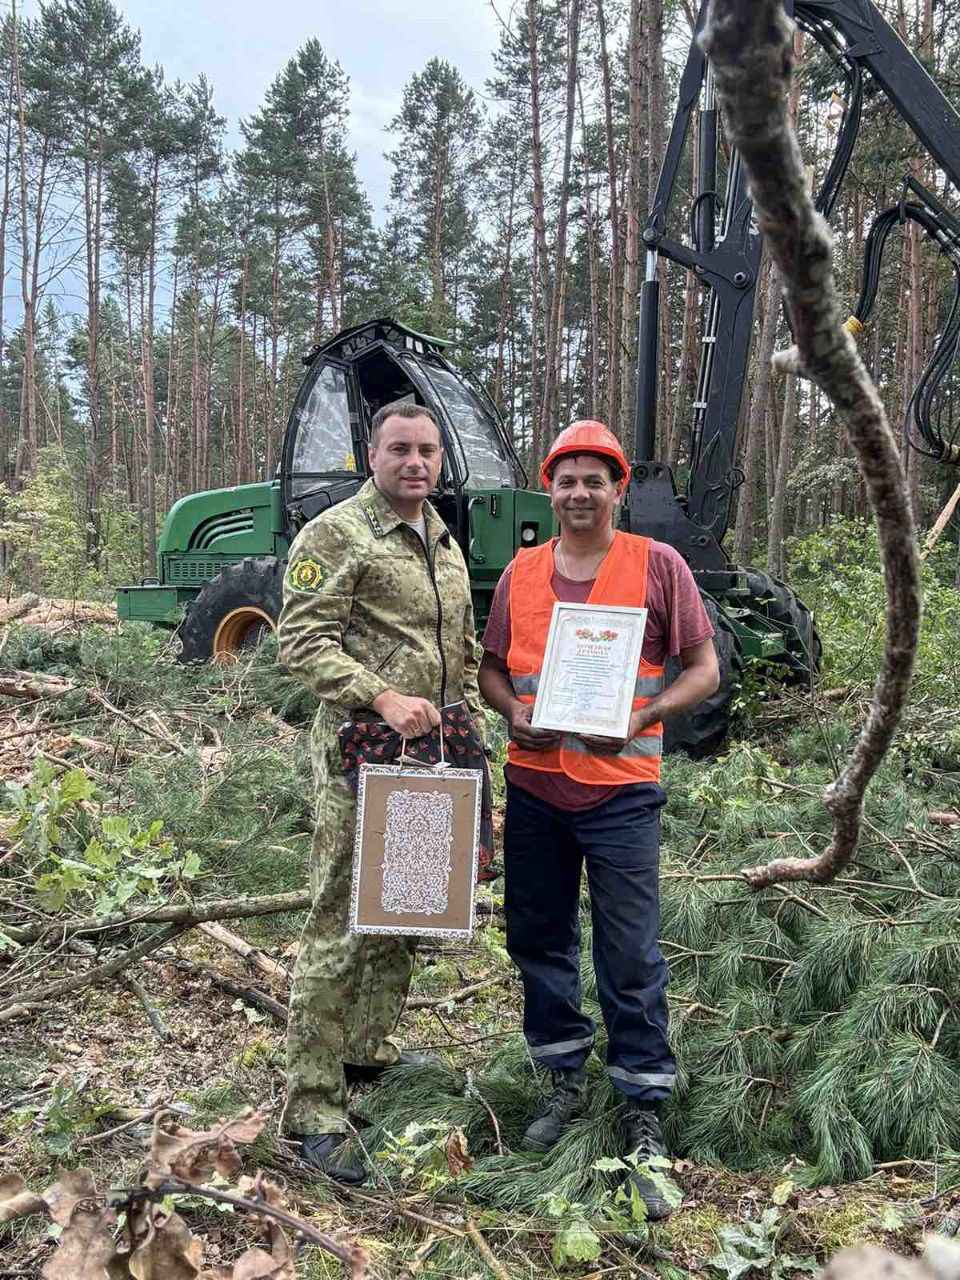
(564, 1104)
(644, 1140)
(324, 1151)
(357, 1071)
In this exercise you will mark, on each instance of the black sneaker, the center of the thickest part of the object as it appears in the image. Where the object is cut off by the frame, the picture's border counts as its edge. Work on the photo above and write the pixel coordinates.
(324, 1152)
(563, 1106)
(358, 1071)
(644, 1140)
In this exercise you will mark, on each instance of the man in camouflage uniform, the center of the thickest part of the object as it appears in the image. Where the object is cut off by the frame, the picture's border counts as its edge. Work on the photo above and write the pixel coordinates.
(376, 614)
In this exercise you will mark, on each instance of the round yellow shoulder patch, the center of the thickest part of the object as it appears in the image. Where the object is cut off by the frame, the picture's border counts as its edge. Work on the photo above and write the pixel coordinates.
(306, 575)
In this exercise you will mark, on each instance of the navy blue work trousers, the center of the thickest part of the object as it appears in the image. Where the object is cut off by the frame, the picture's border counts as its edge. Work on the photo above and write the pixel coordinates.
(544, 851)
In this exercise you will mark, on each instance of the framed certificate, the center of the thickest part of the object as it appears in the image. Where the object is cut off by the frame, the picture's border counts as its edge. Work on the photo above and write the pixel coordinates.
(590, 669)
(415, 851)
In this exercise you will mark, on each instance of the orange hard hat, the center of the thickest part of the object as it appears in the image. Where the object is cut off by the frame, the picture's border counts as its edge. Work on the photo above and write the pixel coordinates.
(586, 436)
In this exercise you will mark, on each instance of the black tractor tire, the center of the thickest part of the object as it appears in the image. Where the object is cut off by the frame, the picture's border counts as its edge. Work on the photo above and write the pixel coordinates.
(778, 602)
(703, 729)
(232, 612)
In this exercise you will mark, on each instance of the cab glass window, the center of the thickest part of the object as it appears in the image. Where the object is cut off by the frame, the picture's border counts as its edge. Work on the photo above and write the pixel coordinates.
(487, 458)
(322, 417)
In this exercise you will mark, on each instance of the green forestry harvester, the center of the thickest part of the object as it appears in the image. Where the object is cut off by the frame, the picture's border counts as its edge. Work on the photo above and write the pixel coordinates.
(222, 553)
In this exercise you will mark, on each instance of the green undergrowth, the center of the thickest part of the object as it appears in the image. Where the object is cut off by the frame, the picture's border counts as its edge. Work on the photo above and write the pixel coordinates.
(810, 1022)
(815, 1027)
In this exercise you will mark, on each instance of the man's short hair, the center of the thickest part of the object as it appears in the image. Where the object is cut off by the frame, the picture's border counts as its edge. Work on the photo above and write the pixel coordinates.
(616, 475)
(401, 409)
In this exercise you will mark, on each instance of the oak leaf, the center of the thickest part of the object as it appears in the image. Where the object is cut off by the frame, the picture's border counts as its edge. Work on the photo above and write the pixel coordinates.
(168, 1250)
(72, 1187)
(193, 1155)
(15, 1200)
(87, 1250)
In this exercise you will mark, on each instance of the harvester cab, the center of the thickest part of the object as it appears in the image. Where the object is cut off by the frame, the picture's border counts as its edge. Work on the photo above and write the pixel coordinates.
(221, 553)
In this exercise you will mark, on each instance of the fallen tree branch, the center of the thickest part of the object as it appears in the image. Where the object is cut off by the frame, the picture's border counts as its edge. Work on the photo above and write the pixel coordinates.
(100, 973)
(750, 46)
(142, 1117)
(353, 1256)
(486, 1253)
(456, 997)
(26, 684)
(249, 995)
(941, 522)
(187, 914)
(253, 955)
(161, 1030)
(16, 608)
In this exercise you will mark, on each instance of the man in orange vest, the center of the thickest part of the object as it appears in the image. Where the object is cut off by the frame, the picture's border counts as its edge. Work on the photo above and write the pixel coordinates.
(575, 799)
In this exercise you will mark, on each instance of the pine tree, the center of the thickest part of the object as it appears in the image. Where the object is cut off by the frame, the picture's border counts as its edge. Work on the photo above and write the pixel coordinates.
(435, 164)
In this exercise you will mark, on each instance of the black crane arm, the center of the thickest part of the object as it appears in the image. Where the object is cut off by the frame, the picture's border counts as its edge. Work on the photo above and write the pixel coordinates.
(726, 259)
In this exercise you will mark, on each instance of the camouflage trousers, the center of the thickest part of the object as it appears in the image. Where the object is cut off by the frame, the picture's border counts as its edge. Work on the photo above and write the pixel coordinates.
(348, 989)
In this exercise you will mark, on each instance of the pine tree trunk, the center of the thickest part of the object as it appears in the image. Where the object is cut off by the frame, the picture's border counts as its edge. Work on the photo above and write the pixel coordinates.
(755, 427)
(552, 345)
(149, 391)
(592, 407)
(209, 368)
(775, 522)
(540, 303)
(241, 371)
(504, 301)
(330, 250)
(26, 458)
(6, 204)
(631, 213)
(615, 282)
(169, 413)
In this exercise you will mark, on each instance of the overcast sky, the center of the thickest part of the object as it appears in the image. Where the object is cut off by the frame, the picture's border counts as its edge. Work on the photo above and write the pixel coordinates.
(241, 45)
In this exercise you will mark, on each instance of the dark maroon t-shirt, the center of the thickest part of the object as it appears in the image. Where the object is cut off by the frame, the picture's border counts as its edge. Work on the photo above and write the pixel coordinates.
(676, 620)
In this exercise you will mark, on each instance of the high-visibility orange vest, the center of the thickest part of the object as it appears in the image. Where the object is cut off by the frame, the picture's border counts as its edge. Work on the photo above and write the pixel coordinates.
(621, 580)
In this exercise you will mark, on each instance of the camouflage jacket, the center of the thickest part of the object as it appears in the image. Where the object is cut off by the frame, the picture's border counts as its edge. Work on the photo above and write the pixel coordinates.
(365, 609)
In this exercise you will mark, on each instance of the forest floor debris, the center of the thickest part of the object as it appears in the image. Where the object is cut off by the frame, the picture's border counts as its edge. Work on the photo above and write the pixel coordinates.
(817, 1038)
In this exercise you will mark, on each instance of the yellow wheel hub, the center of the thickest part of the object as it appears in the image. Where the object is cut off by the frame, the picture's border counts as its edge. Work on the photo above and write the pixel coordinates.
(239, 630)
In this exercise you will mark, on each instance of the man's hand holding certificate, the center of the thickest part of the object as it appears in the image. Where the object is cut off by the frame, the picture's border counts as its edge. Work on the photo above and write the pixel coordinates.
(589, 673)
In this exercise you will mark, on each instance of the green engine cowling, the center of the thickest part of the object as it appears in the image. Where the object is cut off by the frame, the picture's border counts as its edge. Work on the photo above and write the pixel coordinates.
(208, 536)
(203, 534)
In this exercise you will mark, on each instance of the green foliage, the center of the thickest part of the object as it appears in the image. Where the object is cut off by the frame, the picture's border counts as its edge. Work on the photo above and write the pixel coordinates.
(752, 1246)
(59, 549)
(836, 570)
(81, 857)
(417, 1157)
(72, 1110)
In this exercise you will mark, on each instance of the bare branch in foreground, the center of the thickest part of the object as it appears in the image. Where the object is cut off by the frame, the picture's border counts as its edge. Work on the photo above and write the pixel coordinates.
(100, 973)
(187, 914)
(750, 45)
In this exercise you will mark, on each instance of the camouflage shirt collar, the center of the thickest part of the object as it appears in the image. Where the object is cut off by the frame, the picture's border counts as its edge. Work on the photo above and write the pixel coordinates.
(383, 519)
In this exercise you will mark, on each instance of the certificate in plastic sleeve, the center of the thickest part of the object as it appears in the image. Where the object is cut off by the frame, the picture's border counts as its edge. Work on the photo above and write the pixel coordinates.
(590, 669)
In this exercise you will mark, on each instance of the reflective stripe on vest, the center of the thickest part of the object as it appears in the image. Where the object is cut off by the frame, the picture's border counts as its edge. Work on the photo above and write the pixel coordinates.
(621, 580)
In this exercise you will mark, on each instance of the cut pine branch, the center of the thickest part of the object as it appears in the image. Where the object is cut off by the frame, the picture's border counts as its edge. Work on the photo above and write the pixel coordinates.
(750, 46)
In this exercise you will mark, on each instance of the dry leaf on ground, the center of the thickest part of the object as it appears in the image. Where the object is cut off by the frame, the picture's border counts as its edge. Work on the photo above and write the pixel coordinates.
(194, 1154)
(87, 1250)
(16, 1201)
(459, 1159)
(167, 1250)
(72, 1186)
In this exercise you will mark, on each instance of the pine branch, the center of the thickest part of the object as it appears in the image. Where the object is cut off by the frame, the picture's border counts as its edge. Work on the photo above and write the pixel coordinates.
(749, 43)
